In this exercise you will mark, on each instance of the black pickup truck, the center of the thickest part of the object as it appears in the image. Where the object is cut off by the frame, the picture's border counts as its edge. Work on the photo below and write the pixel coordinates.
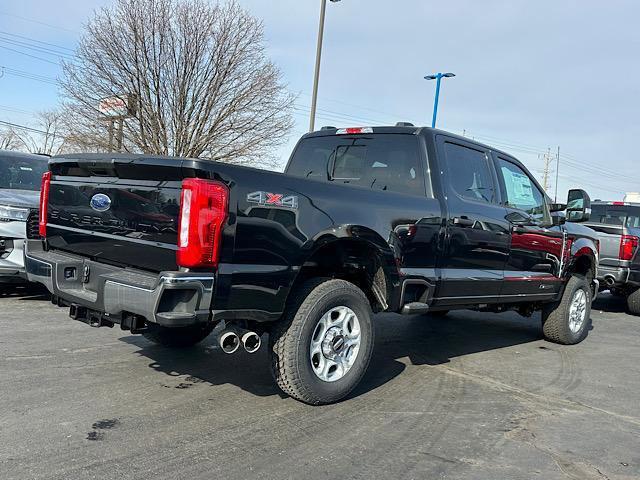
(397, 219)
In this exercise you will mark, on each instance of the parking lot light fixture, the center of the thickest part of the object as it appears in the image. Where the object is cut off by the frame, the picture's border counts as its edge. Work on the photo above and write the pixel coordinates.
(437, 77)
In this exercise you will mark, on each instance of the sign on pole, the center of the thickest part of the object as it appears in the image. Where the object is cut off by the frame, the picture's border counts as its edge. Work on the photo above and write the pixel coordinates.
(117, 106)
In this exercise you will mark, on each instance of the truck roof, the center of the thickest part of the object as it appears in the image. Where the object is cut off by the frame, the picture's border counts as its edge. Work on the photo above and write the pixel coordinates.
(615, 203)
(407, 130)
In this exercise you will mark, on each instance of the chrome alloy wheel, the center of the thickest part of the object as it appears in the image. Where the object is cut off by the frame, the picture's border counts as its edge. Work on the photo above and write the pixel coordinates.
(335, 344)
(577, 310)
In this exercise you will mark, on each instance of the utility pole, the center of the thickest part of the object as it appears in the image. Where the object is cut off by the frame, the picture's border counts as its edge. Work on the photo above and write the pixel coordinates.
(316, 75)
(555, 198)
(547, 170)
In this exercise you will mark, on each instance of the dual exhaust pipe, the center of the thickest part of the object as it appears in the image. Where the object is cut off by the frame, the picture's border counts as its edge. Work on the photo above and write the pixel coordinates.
(230, 341)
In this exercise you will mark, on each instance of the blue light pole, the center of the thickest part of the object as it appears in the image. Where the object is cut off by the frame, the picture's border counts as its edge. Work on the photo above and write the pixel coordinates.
(437, 77)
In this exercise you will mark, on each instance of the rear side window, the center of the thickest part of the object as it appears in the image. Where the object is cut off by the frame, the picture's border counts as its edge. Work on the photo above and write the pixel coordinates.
(469, 173)
(388, 162)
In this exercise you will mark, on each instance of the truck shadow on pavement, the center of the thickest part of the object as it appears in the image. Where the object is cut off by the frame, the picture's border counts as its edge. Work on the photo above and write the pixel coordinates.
(27, 291)
(421, 340)
(610, 303)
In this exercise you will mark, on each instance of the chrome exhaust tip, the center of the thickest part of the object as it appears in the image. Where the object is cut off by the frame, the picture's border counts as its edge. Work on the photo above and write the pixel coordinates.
(251, 342)
(229, 342)
(610, 281)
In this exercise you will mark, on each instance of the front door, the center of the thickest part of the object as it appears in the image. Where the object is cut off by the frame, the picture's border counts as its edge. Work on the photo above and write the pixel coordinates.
(534, 264)
(477, 233)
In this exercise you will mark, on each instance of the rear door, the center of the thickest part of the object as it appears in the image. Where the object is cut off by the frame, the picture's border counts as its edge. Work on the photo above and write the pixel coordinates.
(477, 234)
(534, 263)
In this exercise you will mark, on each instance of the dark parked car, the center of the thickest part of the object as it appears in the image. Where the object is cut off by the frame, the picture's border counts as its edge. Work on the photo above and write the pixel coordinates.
(20, 180)
(399, 219)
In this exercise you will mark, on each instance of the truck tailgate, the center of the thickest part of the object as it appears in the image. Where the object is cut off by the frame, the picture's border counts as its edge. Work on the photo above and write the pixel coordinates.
(113, 215)
(609, 237)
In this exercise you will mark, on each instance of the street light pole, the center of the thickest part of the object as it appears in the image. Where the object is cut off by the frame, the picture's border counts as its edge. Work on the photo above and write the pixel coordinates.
(437, 77)
(316, 76)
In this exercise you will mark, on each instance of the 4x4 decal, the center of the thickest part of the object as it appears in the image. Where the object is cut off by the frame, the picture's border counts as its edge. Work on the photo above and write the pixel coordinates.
(273, 199)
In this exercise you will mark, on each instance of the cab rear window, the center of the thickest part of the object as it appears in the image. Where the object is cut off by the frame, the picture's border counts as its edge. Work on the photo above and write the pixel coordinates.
(388, 162)
(621, 215)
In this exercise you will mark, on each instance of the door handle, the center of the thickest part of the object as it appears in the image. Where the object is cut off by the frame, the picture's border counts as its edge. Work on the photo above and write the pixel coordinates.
(463, 222)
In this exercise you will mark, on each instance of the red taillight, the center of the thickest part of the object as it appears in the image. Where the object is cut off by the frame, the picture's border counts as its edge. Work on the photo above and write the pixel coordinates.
(354, 130)
(628, 246)
(44, 201)
(203, 211)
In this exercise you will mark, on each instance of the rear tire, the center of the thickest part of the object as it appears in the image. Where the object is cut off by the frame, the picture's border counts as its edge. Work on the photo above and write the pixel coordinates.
(326, 326)
(568, 321)
(177, 337)
(633, 302)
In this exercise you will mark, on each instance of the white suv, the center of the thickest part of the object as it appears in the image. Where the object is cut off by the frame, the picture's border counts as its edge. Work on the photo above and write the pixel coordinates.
(20, 180)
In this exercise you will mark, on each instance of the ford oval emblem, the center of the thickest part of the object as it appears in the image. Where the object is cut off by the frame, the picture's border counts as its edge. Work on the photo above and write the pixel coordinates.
(100, 202)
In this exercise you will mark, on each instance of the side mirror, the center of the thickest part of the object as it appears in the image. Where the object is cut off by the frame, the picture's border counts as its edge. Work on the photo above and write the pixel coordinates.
(578, 206)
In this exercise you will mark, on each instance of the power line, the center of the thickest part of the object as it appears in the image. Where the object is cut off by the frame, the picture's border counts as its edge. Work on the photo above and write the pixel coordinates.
(34, 40)
(15, 110)
(28, 75)
(26, 19)
(23, 127)
(35, 48)
(29, 55)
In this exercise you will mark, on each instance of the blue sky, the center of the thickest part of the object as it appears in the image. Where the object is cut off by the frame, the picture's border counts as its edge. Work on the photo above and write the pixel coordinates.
(530, 75)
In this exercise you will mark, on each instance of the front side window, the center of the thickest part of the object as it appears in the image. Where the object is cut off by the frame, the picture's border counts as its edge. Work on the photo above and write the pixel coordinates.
(469, 173)
(521, 192)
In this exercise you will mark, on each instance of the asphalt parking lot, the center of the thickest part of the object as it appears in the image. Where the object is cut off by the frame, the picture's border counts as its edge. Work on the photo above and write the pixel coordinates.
(472, 396)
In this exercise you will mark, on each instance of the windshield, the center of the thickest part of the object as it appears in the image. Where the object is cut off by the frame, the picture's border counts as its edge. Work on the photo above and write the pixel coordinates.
(622, 215)
(21, 172)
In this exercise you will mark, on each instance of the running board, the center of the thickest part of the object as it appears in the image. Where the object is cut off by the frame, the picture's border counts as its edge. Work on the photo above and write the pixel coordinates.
(414, 308)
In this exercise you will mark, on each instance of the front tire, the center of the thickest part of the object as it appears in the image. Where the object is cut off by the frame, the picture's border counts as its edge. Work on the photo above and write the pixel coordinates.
(568, 321)
(321, 348)
(177, 337)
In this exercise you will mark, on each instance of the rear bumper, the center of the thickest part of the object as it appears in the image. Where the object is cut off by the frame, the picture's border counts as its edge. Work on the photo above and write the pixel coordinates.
(114, 294)
(617, 276)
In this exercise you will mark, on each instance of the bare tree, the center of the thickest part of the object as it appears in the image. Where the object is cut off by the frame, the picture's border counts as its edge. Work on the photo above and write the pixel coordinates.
(9, 140)
(47, 134)
(202, 82)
